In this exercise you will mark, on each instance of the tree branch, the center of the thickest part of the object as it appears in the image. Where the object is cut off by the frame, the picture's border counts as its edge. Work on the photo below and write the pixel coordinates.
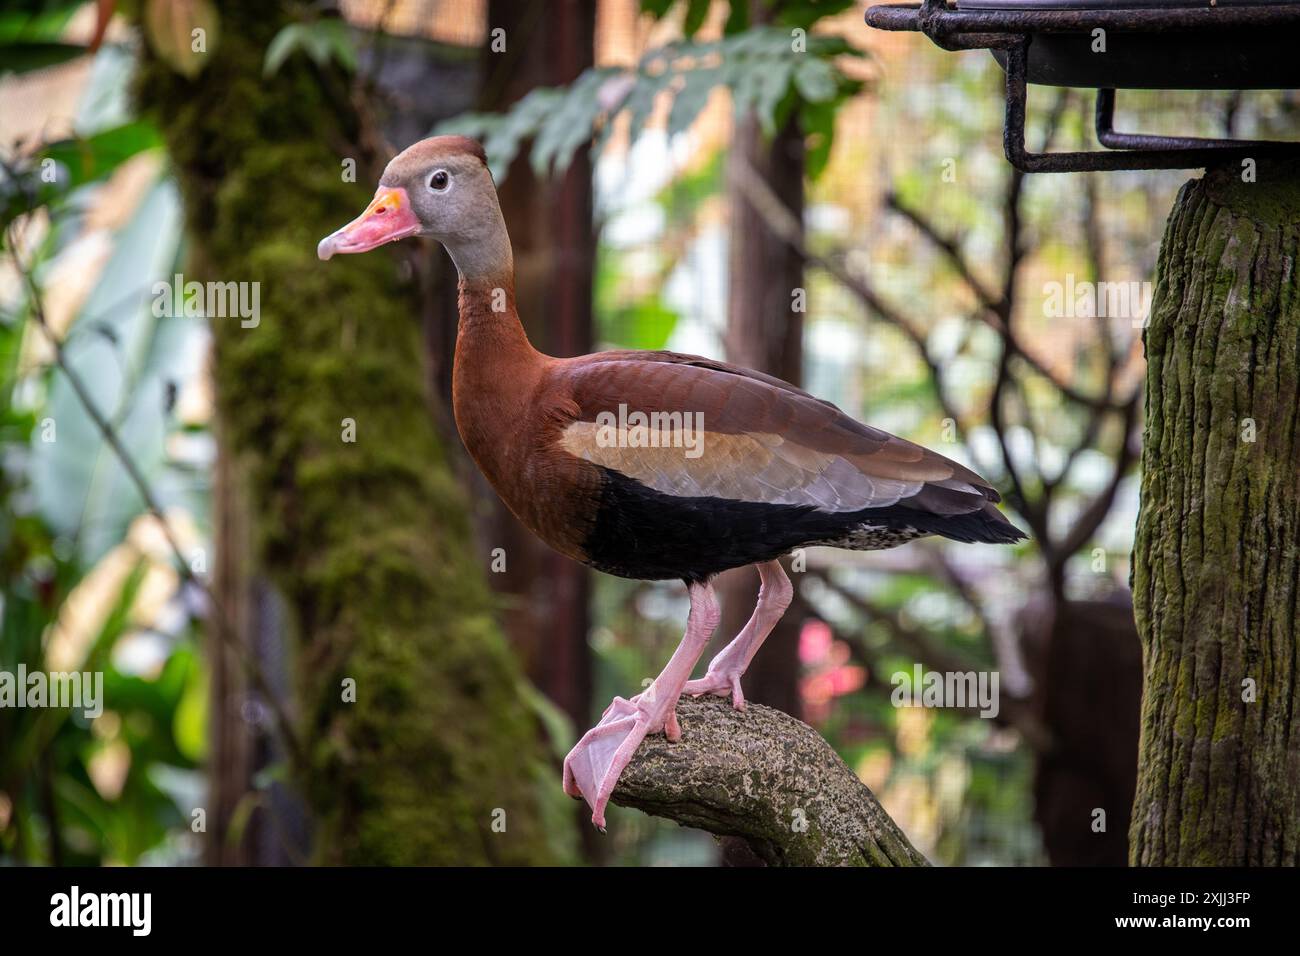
(768, 779)
(950, 248)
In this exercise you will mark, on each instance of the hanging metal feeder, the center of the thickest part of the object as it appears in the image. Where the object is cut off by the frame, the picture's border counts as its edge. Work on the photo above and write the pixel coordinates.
(1149, 44)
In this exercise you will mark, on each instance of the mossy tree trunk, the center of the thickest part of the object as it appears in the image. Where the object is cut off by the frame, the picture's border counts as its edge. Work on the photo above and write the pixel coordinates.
(1217, 557)
(367, 540)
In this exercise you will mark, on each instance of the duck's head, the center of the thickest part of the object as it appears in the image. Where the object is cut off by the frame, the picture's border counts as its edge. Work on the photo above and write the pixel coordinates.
(439, 187)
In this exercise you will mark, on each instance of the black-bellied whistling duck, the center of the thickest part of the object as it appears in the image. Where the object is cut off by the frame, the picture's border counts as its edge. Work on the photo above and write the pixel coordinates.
(655, 465)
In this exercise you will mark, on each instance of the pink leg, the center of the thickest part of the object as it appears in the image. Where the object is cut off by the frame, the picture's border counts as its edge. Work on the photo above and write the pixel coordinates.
(593, 766)
(723, 676)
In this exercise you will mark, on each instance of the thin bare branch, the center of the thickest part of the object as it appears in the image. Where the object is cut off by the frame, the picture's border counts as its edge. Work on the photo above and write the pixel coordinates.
(1095, 513)
(1012, 713)
(108, 433)
(788, 228)
(950, 247)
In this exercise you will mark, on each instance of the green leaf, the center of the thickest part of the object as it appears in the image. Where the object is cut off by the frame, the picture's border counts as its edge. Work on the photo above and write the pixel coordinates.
(738, 18)
(818, 123)
(656, 8)
(25, 57)
(772, 88)
(696, 12)
(804, 13)
(75, 162)
(31, 39)
(764, 74)
(182, 33)
(565, 129)
(648, 324)
(42, 21)
(93, 157)
(743, 83)
(190, 722)
(640, 103)
(520, 124)
(323, 41)
(340, 40)
(692, 98)
(815, 80)
(281, 45)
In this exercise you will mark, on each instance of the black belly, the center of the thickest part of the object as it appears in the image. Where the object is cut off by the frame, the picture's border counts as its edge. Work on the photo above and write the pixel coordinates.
(645, 534)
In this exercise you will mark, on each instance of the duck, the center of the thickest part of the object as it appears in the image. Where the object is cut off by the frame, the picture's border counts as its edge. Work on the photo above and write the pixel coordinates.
(655, 465)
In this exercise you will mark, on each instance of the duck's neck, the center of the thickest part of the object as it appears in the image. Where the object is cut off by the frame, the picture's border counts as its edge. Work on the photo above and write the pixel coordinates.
(480, 247)
(495, 371)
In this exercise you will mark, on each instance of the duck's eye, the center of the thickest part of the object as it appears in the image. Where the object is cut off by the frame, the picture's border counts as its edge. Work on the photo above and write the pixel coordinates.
(438, 180)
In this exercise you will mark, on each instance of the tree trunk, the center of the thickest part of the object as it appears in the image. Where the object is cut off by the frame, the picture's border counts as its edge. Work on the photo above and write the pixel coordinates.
(231, 745)
(764, 332)
(1085, 667)
(437, 760)
(550, 223)
(1217, 556)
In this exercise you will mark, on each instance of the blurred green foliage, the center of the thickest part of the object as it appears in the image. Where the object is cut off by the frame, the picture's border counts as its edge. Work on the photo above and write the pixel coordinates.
(767, 70)
(117, 787)
(323, 40)
(30, 35)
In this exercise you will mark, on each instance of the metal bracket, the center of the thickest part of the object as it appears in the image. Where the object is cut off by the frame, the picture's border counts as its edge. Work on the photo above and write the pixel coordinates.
(1129, 150)
(1012, 33)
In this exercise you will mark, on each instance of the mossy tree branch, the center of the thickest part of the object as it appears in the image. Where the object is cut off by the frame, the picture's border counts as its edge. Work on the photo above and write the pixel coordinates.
(768, 779)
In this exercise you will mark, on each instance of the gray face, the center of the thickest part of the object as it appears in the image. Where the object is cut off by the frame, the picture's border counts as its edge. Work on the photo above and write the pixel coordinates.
(440, 187)
(450, 192)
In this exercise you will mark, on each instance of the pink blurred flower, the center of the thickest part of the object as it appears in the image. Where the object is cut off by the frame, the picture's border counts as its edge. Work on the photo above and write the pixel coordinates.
(827, 672)
(814, 642)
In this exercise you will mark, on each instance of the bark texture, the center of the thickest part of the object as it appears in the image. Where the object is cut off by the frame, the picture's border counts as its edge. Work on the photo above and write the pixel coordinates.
(1217, 556)
(768, 779)
(437, 760)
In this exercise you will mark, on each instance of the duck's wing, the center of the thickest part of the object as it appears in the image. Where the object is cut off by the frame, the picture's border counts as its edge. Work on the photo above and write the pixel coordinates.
(692, 427)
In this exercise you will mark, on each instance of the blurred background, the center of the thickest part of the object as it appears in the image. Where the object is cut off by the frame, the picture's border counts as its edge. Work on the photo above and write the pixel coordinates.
(764, 181)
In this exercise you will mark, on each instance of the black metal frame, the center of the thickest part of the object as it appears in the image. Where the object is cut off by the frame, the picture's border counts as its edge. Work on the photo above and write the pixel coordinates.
(1012, 31)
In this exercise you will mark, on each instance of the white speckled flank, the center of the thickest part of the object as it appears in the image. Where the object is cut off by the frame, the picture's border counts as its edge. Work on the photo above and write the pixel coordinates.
(871, 537)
